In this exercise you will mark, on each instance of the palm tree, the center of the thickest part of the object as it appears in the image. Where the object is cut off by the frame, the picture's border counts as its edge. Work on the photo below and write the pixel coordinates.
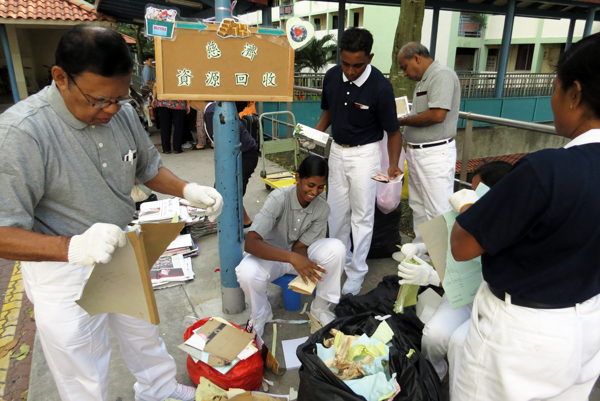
(317, 54)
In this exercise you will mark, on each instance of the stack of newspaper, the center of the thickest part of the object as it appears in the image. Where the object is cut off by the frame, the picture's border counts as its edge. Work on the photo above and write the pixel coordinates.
(174, 267)
(169, 210)
(184, 245)
(162, 211)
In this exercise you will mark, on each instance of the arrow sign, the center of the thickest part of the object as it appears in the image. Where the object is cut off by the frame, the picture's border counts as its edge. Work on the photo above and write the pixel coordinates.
(191, 25)
(271, 31)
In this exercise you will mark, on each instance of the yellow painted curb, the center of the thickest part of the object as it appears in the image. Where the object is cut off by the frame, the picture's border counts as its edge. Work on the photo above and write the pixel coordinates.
(9, 317)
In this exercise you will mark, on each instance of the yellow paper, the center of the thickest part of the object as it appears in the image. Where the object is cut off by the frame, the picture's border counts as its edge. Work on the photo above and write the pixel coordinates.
(207, 390)
(364, 350)
(410, 298)
(383, 333)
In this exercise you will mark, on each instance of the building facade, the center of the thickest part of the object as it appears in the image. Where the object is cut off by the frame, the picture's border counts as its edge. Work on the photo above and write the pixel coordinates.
(462, 44)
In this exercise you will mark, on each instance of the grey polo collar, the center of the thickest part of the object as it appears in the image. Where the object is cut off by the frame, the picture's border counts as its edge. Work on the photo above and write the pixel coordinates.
(296, 203)
(434, 66)
(58, 105)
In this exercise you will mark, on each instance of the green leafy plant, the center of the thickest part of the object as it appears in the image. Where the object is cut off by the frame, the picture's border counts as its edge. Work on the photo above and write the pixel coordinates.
(317, 54)
(144, 45)
(478, 18)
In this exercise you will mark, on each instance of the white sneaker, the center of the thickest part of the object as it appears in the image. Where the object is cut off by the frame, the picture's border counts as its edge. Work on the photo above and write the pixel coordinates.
(352, 286)
(183, 393)
(324, 316)
(187, 145)
(257, 326)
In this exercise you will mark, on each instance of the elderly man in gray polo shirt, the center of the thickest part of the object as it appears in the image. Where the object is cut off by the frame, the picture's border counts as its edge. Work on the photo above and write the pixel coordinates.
(429, 131)
(286, 237)
(69, 157)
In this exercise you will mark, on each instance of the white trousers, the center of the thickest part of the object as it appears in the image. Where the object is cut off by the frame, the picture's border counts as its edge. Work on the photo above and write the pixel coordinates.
(438, 331)
(430, 183)
(456, 350)
(351, 196)
(255, 273)
(524, 354)
(76, 344)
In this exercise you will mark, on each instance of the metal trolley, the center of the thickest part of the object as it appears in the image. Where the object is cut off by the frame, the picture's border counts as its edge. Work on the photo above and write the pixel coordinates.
(282, 178)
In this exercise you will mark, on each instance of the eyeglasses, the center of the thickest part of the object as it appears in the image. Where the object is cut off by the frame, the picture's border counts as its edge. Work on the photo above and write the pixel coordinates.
(102, 104)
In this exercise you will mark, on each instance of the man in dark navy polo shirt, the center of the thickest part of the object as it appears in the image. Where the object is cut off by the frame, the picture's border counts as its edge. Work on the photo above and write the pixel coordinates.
(358, 102)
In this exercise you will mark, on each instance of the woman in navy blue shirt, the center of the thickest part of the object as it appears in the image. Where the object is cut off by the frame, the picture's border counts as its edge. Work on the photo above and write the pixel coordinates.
(535, 326)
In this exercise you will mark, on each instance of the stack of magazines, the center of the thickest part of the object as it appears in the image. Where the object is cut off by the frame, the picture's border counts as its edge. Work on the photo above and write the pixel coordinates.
(184, 245)
(174, 267)
(162, 211)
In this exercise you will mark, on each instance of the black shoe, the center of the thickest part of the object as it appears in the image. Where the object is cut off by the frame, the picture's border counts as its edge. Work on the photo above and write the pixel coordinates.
(167, 152)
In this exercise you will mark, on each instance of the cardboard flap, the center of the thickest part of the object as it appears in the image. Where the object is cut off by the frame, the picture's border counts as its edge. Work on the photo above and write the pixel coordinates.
(224, 341)
(157, 238)
(435, 235)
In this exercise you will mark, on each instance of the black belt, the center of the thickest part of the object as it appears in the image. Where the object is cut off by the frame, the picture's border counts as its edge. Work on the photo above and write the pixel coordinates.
(350, 146)
(430, 145)
(526, 303)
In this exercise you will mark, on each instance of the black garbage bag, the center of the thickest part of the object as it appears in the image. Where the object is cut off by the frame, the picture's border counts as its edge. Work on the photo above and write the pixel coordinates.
(416, 377)
(386, 234)
(381, 301)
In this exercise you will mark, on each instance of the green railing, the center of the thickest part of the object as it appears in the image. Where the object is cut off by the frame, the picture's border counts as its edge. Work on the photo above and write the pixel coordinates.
(474, 85)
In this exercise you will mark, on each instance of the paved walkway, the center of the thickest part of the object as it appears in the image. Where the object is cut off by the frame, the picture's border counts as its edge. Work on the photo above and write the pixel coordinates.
(17, 333)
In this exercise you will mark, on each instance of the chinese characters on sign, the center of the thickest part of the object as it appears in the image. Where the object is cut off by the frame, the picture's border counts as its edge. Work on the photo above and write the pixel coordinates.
(213, 78)
(184, 77)
(212, 50)
(249, 51)
(241, 79)
(269, 79)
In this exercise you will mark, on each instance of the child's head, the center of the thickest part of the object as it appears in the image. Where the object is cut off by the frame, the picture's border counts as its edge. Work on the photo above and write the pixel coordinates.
(490, 173)
(311, 179)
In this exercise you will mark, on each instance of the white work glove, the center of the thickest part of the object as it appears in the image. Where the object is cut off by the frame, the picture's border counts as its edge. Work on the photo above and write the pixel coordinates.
(411, 250)
(421, 274)
(205, 198)
(462, 198)
(96, 245)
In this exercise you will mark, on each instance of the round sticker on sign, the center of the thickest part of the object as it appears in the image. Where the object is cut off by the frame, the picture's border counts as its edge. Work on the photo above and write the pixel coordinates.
(299, 32)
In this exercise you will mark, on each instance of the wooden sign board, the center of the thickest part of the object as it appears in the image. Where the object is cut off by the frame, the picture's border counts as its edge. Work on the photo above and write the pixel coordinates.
(188, 51)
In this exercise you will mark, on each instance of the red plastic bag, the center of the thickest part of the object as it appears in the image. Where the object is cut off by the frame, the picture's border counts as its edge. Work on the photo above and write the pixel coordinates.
(247, 374)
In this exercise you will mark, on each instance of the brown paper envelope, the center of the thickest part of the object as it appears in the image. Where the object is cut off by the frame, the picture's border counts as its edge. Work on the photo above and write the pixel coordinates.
(123, 285)
(157, 238)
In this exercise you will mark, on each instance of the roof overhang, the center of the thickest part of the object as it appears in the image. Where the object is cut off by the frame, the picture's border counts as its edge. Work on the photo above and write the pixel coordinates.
(536, 9)
(48, 23)
(134, 10)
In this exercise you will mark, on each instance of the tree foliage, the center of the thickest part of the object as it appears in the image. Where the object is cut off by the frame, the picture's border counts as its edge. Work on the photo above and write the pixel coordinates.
(317, 54)
(409, 29)
(479, 18)
(145, 45)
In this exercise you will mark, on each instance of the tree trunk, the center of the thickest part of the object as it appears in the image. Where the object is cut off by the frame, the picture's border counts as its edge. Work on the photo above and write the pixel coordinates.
(409, 28)
(138, 43)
